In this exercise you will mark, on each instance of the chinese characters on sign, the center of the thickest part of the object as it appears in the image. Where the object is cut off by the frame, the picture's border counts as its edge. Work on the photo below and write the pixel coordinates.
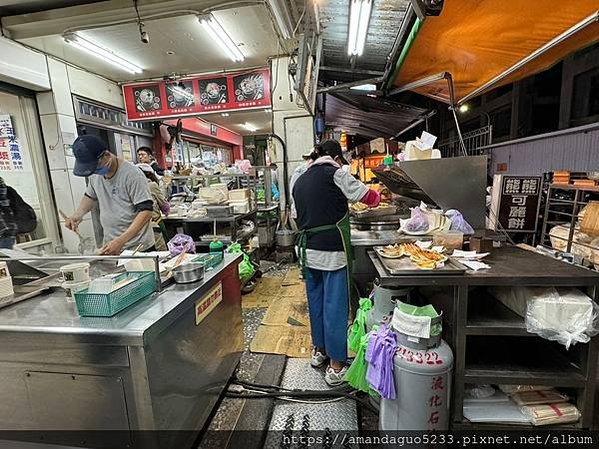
(198, 95)
(519, 203)
(208, 302)
(11, 158)
(435, 402)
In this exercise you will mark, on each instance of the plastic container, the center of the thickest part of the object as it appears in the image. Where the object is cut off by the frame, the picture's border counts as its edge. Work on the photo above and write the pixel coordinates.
(135, 265)
(240, 207)
(75, 272)
(73, 287)
(90, 304)
(450, 240)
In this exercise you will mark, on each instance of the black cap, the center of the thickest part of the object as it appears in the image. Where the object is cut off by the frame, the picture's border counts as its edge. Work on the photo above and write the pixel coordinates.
(87, 150)
(332, 148)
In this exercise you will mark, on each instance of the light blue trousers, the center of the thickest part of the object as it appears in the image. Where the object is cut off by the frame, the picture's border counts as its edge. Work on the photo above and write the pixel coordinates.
(328, 305)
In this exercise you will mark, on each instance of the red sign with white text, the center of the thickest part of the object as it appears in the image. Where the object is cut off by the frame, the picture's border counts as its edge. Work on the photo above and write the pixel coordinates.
(198, 95)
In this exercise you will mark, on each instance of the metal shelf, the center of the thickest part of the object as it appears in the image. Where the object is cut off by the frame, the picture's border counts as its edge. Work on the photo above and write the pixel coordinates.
(212, 220)
(512, 360)
(488, 316)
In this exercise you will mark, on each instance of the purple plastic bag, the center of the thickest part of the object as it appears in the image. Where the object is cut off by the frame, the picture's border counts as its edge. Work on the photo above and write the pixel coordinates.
(458, 222)
(417, 222)
(181, 243)
(380, 354)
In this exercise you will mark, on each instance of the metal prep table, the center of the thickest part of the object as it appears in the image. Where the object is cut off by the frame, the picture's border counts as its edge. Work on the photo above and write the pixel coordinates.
(490, 342)
(150, 367)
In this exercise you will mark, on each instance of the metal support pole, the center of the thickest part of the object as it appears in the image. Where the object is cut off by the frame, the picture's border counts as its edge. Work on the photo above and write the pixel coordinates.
(452, 108)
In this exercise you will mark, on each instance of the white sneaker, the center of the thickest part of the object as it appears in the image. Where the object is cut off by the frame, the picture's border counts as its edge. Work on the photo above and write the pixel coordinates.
(335, 378)
(318, 358)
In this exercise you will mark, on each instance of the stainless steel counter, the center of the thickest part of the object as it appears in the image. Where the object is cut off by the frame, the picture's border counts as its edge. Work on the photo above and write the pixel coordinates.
(150, 367)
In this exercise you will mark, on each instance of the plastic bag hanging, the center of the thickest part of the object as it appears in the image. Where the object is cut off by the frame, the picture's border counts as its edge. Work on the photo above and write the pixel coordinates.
(358, 327)
(417, 222)
(356, 374)
(379, 355)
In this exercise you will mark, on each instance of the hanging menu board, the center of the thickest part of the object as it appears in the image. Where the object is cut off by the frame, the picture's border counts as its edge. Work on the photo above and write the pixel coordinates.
(198, 95)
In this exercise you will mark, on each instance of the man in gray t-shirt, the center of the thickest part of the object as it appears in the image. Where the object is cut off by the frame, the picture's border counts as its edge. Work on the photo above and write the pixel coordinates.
(121, 191)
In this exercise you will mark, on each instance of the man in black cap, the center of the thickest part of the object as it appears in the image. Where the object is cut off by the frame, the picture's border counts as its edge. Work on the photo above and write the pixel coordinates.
(121, 191)
(321, 195)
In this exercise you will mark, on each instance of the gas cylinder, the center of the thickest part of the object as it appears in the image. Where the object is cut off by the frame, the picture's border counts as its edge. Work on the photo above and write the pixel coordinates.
(423, 372)
(384, 300)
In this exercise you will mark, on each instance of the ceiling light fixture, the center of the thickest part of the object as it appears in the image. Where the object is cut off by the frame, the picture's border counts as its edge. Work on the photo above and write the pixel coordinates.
(464, 108)
(225, 114)
(282, 17)
(251, 128)
(220, 36)
(102, 53)
(368, 87)
(359, 17)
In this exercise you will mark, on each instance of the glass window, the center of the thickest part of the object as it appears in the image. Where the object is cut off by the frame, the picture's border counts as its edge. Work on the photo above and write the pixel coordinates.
(22, 161)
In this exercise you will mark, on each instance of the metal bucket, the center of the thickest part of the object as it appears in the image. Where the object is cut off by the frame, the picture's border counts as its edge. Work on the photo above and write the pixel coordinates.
(285, 237)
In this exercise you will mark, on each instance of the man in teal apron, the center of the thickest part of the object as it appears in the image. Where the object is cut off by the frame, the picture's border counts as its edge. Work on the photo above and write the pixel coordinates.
(321, 198)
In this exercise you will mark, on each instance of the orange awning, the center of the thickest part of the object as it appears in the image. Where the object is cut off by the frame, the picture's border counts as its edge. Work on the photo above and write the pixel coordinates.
(477, 40)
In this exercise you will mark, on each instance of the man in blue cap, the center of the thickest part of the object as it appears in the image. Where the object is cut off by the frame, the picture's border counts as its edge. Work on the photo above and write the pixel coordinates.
(121, 191)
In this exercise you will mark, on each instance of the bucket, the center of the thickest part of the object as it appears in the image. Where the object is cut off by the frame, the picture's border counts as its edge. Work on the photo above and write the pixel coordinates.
(285, 237)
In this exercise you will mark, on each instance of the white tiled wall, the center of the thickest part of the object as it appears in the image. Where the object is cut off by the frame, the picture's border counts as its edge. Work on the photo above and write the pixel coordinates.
(59, 128)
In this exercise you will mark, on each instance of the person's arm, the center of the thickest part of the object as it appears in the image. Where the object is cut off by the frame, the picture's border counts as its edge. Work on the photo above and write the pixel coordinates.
(85, 206)
(115, 247)
(355, 190)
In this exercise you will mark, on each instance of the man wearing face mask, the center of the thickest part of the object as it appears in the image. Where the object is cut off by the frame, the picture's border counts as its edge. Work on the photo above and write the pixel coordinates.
(121, 191)
(321, 197)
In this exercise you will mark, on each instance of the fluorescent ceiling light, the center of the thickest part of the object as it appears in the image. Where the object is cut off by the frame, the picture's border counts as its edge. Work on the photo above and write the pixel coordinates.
(102, 53)
(359, 16)
(251, 128)
(282, 17)
(368, 87)
(220, 36)
(224, 114)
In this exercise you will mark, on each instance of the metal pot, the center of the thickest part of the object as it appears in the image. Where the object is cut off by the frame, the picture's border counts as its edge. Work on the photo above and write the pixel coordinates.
(285, 237)
(191, 272)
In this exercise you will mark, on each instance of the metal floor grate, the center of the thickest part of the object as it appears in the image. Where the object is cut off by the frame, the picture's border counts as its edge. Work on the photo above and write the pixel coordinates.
(334, 416)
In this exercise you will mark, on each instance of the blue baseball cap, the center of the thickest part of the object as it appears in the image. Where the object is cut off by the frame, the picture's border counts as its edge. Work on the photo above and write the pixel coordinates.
(87, 151)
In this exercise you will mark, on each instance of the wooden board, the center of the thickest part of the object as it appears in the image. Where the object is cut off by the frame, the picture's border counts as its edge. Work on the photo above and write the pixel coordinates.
(292, 341)
(287, 311)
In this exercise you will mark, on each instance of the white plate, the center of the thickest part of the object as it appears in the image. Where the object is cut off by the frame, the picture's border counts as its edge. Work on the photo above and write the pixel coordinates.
(387, 256)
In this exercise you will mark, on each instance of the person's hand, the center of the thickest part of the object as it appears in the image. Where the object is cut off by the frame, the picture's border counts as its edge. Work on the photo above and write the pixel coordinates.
(113, 248)
(72, 222)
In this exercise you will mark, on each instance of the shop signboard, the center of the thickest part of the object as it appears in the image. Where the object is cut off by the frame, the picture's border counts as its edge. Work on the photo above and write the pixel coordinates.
(198, 95)
(518, 203)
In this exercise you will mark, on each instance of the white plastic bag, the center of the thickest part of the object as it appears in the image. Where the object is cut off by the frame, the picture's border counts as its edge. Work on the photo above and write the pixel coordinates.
(570, 318)
(565, 315)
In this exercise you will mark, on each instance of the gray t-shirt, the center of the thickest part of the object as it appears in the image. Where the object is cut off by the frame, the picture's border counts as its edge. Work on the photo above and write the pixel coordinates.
(117, 198)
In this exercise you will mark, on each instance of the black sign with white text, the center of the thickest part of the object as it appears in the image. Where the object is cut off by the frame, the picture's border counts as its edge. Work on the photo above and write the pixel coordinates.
(519, 204)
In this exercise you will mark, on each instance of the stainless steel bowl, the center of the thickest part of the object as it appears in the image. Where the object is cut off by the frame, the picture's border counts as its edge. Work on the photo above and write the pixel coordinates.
(191, 272)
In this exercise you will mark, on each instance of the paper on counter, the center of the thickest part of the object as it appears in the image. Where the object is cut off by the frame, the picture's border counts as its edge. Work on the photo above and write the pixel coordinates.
(474, 265)
(459, 254)
(161, 255)
(424, 244)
